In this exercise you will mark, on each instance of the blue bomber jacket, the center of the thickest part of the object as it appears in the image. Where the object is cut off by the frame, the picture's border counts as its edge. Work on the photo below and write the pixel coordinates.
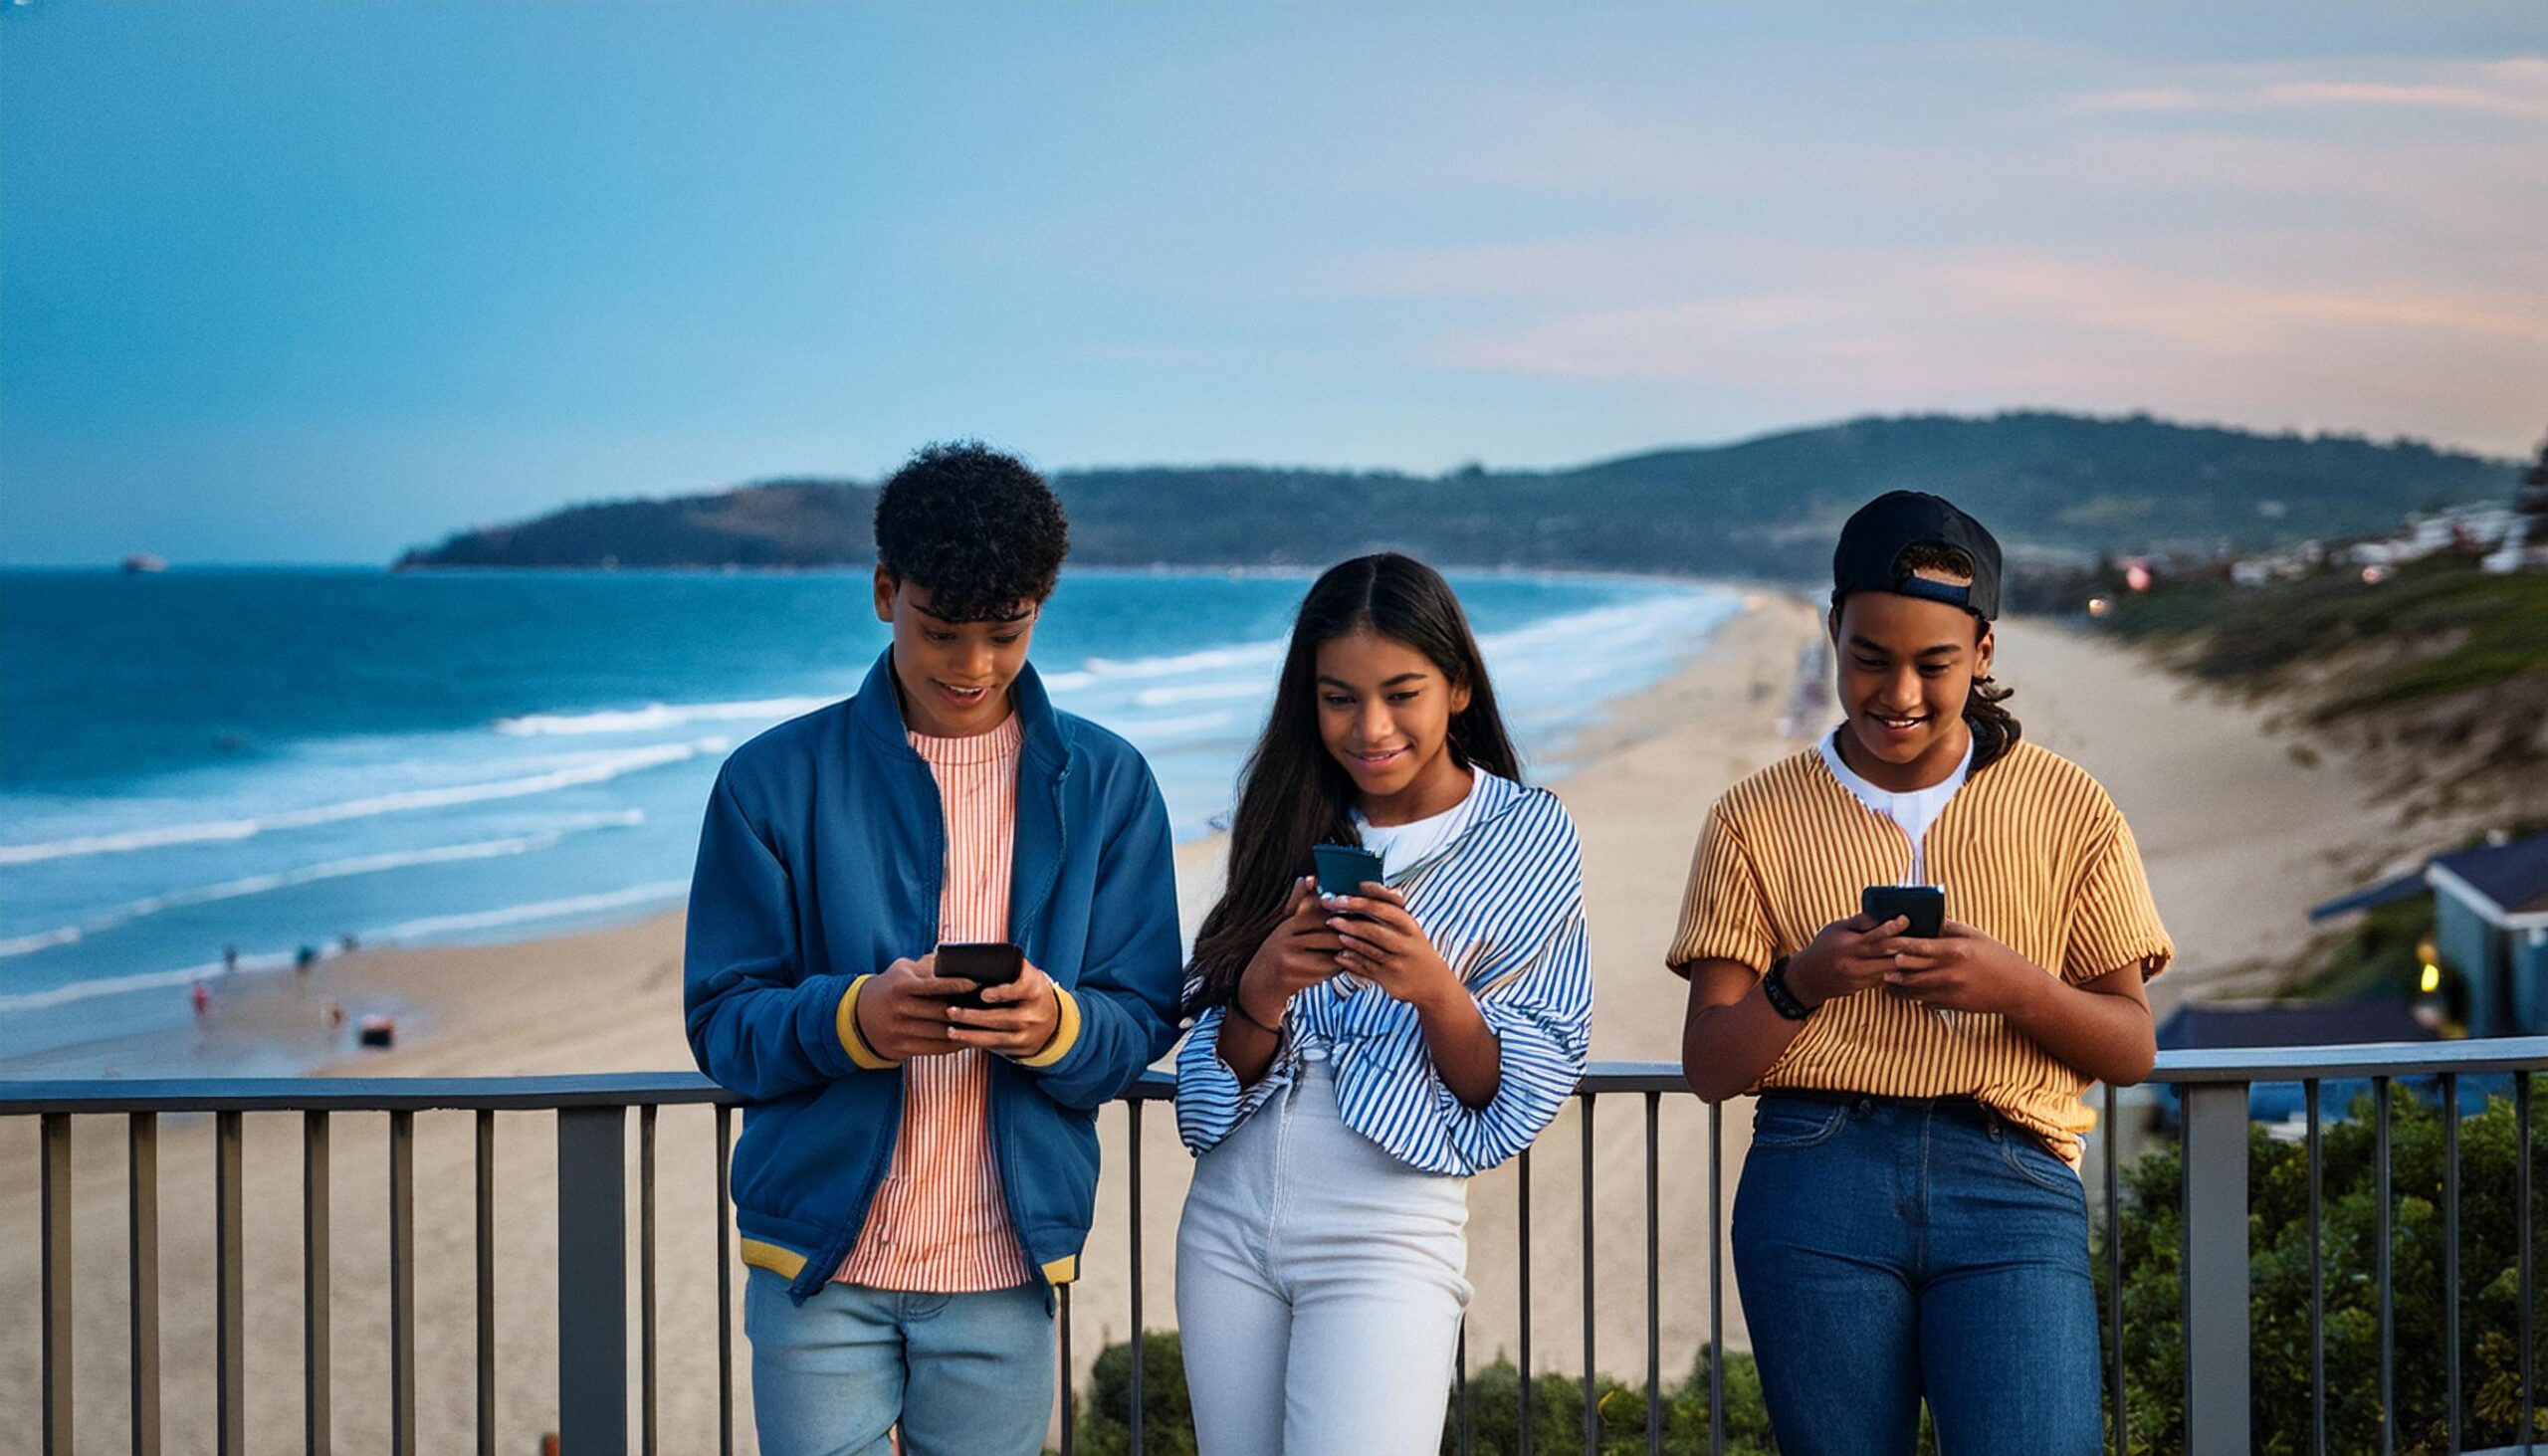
(820, 864)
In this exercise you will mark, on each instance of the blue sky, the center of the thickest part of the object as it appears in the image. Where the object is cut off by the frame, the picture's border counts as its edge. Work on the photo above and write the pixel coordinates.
(318, 281)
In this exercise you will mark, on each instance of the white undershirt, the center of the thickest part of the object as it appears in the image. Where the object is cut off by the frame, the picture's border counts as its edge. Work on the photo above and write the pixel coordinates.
(1915, 811)
(1417, 840)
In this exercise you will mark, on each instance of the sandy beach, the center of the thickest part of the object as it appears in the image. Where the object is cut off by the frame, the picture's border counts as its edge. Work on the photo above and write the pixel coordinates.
(2241, 836)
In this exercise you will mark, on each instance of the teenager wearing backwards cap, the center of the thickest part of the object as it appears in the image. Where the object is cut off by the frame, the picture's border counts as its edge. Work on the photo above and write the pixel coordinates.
(1910, 1222)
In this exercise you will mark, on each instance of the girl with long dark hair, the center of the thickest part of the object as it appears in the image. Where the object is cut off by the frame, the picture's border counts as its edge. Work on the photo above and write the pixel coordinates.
(1910, 1225)
(1355, 1060)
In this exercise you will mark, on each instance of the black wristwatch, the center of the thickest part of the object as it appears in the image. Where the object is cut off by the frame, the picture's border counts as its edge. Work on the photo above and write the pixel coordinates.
(1783, 1001)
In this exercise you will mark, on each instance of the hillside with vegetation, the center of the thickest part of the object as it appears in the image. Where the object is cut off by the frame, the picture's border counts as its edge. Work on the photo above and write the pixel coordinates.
(2056, 488)
(2435, 675)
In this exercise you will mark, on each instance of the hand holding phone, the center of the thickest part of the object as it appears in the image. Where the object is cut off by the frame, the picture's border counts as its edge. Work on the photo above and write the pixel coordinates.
(1924, 905)
(1298, 954)
(1343, 868)
(987, 964)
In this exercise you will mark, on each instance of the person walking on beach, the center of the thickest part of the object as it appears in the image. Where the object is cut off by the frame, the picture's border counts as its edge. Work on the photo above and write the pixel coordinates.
(1910, 1224)
(1353, 1060)
(918, 1165)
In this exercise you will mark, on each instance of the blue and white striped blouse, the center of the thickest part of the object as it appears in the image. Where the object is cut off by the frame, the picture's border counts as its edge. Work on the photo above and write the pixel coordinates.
(1504, 904)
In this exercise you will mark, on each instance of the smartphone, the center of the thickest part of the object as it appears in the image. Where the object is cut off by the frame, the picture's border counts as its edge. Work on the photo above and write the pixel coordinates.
(1342, 868)
(986, 963)
(1924, 905)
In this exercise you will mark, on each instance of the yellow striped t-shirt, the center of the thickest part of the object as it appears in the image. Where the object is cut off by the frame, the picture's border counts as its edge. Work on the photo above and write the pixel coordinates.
(2032, 853)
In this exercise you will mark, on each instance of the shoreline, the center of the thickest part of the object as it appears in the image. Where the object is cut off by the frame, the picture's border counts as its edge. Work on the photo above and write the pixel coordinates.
(2079, 695)
(268, 1019)
(2239, 835)
(106, 967)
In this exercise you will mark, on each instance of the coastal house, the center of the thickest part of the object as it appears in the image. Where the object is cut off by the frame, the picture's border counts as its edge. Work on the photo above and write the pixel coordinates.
(2526, 546)
(2482, 524)
(2288, 564)
(2491, 928)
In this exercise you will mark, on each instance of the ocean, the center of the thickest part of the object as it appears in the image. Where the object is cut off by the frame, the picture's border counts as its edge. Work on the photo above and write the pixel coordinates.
(271, 761)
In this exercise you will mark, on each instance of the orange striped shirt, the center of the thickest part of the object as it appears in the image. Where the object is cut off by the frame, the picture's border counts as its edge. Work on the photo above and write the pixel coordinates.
(940, 1224)
(2032, 853)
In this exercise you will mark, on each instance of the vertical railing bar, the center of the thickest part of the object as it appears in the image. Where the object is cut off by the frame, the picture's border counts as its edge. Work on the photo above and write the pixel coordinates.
(141, 1229)
(1460, 1383)
(2185, 1252)
(725, 1295)
(593, 1280)
(402, 1282)
(1653, 1274)
(1591, 1406)
(318, 1402)
(2388, 1312)
(646, 1279)
(1716, 1279)
(2218, 1339)
(229, 1301)
(1133, 1109)
(2450, 1256)
(2114, 1269)
(57, 1284)
(486, 1239)
(2521, 1200)
(2317, 1273)
(1070, 1438)
(1522, 1183)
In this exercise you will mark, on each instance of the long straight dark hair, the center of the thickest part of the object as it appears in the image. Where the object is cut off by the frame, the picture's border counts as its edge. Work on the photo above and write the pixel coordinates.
(1293, 793)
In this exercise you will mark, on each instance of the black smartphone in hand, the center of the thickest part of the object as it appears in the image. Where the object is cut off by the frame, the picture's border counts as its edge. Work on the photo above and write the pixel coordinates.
(1925, 906)
(986, 963)
(1342, 868)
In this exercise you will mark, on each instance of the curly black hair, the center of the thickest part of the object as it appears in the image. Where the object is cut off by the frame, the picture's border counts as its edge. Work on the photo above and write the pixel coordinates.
(977, 528)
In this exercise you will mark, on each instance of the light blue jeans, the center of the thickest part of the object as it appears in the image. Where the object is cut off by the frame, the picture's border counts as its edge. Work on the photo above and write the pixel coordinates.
(1320, 1284)
(966, 1374)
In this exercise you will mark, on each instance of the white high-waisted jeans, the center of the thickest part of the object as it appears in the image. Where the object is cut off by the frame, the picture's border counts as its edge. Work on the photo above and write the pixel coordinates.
(1320, 1284)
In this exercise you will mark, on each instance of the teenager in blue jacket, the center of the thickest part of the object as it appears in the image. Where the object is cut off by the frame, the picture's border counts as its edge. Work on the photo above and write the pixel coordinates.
(915, 1175)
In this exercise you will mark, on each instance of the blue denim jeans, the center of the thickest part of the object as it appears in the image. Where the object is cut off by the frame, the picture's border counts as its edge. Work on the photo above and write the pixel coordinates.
(965, 1375)
(1890, 1251)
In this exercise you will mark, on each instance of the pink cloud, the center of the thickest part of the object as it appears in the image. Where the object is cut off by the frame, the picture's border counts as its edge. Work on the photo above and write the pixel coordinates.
(2513, 86)
(1979, 328)
(2444, 97)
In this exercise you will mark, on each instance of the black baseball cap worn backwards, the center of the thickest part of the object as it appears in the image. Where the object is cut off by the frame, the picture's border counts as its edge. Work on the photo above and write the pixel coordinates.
(1870, 556)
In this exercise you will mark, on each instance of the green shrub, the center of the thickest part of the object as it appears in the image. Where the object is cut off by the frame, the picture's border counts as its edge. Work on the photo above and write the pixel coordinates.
(2278, 1283)
(1106, 1411)
(1494, 1401)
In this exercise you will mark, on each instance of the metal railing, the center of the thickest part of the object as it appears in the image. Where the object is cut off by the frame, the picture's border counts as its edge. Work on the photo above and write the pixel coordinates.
(2215, 1087)
(594, 1407)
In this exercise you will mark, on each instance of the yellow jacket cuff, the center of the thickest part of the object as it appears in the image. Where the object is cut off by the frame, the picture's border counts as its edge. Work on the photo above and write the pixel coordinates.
(1065, 1032)
(846, 1022)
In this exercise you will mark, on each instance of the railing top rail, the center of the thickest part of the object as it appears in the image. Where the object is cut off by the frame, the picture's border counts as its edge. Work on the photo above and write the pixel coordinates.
(356, 1094)
(628, 1089)
(2366, 1059)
